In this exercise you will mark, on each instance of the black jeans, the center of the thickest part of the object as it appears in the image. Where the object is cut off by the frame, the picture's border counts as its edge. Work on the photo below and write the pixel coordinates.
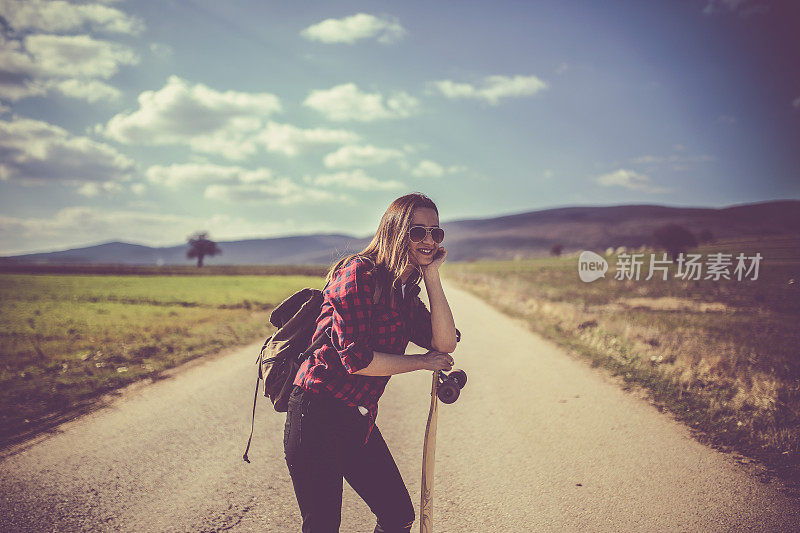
(324, 443)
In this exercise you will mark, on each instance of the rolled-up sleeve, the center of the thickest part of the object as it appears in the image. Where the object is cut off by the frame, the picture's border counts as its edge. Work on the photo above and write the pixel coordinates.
(350, 294)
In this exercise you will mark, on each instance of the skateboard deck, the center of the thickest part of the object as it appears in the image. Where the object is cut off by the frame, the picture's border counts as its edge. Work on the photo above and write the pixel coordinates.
(428, 458)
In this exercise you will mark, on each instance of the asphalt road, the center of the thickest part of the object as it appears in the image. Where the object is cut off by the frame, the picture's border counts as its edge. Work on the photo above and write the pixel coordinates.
(538, 441)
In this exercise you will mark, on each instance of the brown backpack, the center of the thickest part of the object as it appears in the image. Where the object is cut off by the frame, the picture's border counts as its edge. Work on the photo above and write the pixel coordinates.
(285, 350)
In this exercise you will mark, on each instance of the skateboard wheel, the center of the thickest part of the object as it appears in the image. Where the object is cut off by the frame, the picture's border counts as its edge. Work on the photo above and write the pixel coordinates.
(448, 392)
(459, 376)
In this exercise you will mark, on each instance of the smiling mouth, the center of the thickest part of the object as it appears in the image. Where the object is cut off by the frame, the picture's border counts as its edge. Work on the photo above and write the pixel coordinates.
(427, 253)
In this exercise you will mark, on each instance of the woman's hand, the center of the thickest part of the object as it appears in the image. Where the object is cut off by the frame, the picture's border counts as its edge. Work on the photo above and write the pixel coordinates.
(434, 360)
(437, 261)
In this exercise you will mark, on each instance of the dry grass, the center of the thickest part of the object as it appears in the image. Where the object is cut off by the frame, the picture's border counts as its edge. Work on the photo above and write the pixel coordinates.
(722, 356)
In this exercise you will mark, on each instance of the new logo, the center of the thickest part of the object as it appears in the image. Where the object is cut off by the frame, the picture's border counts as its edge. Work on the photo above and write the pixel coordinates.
(591, 266)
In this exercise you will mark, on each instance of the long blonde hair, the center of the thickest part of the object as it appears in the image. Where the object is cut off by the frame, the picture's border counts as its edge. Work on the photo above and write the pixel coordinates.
(389, 247)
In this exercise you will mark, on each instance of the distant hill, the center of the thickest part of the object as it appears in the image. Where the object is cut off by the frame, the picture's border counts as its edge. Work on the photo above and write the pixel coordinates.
(529, 234)
(294, 250)
(596, 228)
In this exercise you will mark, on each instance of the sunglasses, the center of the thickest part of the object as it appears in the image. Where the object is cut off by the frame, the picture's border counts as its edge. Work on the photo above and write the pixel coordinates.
(418, 233)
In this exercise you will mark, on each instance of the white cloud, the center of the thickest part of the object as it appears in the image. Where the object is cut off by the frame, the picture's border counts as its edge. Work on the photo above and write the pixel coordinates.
(33, 151)
(161, 50)
(235, 139)
(237, 184)
(78, 56)
(17, 71)
(493, 88)
(39, 58)
(562, 68)
(55, 16)
(428, 169)
(290, 140)
(356, 156)
(351, 29)
(40, 62)
(92, 189)
(232, 124)
(178, 175)
(354, 179)
(431, 169)
(138, 189)
(180, 112)
(282, 191)
(77, 226)
(90, 90)
(629, 180)
(348, 102)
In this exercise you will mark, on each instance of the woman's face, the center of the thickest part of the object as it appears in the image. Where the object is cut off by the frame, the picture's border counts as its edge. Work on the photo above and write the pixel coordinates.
(423, 216)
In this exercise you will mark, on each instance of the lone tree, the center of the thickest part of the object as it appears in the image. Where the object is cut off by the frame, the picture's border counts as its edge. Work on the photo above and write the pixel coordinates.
(675, 239)
(200, 246)
(556, 249)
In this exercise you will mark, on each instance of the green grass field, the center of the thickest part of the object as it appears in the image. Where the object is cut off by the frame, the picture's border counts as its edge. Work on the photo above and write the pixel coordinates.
(66, 339)
(724, 356)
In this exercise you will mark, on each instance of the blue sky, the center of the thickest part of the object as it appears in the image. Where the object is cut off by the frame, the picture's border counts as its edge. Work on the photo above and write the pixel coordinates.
(146, 121)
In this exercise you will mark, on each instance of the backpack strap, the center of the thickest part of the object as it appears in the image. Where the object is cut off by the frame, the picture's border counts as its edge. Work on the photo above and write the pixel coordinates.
(255, 399)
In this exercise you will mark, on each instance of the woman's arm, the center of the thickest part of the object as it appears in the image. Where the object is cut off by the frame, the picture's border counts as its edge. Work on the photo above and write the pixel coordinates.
(444, 327)
(387, 364)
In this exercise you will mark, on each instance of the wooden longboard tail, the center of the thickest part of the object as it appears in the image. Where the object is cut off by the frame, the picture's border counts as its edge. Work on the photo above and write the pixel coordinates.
(428, 457)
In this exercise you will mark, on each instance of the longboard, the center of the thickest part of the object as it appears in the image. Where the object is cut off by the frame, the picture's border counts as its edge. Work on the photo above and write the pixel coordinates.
(428, 458)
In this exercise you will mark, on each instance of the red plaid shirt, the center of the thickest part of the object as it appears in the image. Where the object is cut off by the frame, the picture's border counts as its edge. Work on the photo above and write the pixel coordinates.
(357, 328)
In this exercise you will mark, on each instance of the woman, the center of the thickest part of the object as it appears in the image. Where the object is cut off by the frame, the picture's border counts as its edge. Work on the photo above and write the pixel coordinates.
(330, 431)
